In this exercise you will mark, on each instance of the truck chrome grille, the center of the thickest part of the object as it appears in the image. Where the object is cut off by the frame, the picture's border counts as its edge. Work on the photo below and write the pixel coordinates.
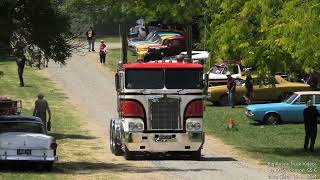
(165, 113)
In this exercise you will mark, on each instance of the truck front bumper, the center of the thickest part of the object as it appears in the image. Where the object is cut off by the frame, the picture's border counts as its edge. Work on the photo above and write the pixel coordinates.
(164, 142)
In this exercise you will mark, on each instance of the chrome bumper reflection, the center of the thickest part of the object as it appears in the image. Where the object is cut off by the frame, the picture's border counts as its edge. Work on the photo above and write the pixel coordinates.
(28, 158)
(164, 142)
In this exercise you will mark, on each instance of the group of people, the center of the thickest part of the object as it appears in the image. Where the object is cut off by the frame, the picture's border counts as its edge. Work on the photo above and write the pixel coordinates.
(310, 113)
(90, 35)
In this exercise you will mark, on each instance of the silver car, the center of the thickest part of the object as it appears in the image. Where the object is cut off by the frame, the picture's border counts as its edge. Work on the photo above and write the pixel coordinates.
(24, 138)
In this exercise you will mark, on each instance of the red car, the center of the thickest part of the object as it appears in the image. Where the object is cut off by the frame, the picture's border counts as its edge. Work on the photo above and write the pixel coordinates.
(171, 47)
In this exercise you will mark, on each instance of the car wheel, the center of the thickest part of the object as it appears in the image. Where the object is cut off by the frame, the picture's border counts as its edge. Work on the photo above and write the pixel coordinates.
(224, 100)
(196, 155)
(271, 119)
(129, 155)
(115, 146)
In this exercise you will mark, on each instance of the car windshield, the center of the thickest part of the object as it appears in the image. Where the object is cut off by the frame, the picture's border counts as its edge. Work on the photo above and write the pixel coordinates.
(217, 69)
(290, 99)
(149, 36)
(29, 127)
(160, 78)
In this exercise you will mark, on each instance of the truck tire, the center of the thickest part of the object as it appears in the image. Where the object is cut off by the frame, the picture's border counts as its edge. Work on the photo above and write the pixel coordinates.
(115, 145)
(196, 155)
(129, 155)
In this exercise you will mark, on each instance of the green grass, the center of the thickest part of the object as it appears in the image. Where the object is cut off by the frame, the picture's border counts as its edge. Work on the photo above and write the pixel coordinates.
(113, 57)
(77, 148)
(109, 39)
(271, 144)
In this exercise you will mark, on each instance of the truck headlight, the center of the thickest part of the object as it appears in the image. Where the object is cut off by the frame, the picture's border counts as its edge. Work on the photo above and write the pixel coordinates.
(136, 126)
(193, 125)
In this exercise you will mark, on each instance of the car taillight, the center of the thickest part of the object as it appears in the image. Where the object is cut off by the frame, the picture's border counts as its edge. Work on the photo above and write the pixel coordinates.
(131, 108)
(53, 145)
(194, 109)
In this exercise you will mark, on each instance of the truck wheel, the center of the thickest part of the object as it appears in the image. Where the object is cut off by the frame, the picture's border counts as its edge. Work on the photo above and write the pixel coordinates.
(224, 100)
(196, 155)
(128, 155)
(115, 146)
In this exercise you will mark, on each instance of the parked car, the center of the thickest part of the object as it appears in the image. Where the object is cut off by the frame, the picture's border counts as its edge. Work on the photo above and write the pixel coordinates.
(261, 93)
(288, 111)
(152, 38)
(142, 49)
(217, 74)
(170, 47)
(24, 138)
(199, 57)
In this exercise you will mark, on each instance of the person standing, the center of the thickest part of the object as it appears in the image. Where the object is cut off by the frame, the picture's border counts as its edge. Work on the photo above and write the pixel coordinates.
(249, 88)
(102, 52)
(41, 107)
(310, 115)
(90, 38)
(231, 85)
(21, 61)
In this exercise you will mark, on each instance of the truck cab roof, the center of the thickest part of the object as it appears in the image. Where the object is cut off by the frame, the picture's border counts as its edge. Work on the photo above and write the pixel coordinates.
(162, 65)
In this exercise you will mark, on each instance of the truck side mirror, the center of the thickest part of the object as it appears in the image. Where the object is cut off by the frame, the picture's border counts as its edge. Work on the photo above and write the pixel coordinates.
(206, 83)
(117, 82)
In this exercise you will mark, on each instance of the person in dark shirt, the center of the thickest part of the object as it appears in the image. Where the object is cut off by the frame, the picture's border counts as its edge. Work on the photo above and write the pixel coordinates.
(249, 88)
(90, 38)
(231, 85)
(310, 115)
(41, 107)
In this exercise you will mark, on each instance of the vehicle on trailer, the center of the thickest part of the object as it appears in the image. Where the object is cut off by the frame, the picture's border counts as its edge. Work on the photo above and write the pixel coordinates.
(160, 108)
(288, 111)
(24, 138)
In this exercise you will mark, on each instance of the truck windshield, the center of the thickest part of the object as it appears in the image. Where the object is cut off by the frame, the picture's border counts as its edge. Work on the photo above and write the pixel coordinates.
(184, 79)
(160, 78)
(144, 78)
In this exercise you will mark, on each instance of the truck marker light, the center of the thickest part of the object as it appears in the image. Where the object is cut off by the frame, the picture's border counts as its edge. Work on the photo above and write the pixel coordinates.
(194, 109)
(130, 108)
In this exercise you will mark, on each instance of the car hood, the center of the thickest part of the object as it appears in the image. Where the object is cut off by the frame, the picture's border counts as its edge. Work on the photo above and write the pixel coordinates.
(266, 106)
(213, 76)
(20, 140)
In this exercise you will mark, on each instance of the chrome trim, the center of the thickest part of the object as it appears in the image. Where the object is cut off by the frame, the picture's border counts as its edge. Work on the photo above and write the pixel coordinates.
(133, 141)
(28, 158)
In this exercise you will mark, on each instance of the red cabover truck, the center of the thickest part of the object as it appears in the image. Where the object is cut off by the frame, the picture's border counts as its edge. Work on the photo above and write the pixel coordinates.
(160, 109)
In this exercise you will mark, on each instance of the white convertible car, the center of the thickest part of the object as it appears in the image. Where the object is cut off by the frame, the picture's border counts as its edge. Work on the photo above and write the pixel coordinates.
(24, 138)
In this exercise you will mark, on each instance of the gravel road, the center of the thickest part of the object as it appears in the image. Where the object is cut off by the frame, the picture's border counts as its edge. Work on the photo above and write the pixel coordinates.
(91, 89)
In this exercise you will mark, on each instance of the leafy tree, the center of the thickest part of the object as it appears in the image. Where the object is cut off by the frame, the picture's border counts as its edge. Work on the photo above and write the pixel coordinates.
(270, 35)
(39, 26)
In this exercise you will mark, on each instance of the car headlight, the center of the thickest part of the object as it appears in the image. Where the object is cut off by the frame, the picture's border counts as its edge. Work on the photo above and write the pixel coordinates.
(249, 113)
(193, 126)
(136, 126)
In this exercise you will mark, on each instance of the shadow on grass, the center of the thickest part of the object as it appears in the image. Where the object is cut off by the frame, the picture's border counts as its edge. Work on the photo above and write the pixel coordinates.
(288, 152)
(88, 167)
(71, 136)
(72, 167)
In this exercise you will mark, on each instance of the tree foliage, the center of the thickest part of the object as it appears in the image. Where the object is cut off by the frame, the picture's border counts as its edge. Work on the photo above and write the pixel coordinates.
(44, 31)
(277, 35)
(270, 35)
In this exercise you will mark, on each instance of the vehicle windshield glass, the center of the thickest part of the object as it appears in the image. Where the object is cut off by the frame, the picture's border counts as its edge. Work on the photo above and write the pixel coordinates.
(217, 69)
(290, 98)
(158, 78)
(149, 36)
(29, 127)
(144, 78)
(184, 79)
